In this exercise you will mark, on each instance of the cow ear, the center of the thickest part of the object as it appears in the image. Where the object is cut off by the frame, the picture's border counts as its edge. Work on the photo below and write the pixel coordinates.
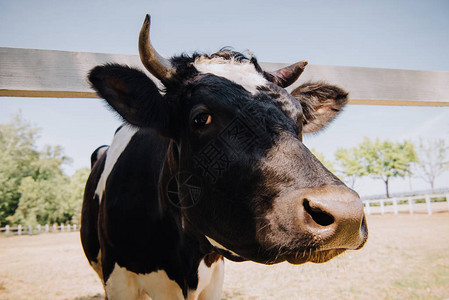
(132, 95)
(320, 103)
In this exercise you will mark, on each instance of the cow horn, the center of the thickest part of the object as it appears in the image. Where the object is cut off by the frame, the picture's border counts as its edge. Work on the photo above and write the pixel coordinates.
(288, 75)
(159, 66)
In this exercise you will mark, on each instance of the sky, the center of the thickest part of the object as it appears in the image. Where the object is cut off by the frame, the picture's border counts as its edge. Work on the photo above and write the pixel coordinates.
(411, 35)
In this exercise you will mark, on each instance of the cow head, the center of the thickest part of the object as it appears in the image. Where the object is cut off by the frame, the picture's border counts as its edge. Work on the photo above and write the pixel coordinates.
(261, 195)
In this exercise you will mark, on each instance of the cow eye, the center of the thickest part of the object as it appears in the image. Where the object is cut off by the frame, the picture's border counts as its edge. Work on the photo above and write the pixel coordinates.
(202, 119)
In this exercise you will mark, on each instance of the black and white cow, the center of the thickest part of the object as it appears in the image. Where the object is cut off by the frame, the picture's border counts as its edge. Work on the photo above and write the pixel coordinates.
(213, 166)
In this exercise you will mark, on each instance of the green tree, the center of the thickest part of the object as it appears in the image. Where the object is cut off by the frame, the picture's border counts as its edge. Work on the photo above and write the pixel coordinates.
(327, 163)
(76, 188)
(349, 165)
(33, 187)
(433, 160)
(44, 196)
(387, 159)
(17, 157)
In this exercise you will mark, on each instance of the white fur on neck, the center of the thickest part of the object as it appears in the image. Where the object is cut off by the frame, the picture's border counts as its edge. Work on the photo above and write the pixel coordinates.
(219, 246)
(243, 73)
(119, 143)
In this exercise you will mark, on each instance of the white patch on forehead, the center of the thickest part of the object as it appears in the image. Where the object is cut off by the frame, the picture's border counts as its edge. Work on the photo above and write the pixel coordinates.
(119, 143)
(243, 73)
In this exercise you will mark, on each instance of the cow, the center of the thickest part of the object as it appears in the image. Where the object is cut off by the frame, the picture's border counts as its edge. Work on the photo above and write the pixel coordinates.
(211, 166)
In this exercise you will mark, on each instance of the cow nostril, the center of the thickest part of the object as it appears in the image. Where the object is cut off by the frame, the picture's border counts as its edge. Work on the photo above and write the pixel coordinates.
(320, 217)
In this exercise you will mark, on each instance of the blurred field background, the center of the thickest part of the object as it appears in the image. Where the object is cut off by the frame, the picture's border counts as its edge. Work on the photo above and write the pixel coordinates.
(406, 257)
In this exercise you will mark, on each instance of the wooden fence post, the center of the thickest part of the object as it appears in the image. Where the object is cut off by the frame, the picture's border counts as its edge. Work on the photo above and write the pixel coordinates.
(382, 209)
(19, 229)
(74, 227)
(30, 230)
(61, 227)
(38, 228)
(47, 228)
(7, 230)
(54, 227)
(429, 209)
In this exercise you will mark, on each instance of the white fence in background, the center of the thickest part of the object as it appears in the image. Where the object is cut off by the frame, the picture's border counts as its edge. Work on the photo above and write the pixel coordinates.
(413, 204)
(29, 230)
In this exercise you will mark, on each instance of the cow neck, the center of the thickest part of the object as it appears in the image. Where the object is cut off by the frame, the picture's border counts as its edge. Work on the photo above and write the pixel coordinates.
(190, 234)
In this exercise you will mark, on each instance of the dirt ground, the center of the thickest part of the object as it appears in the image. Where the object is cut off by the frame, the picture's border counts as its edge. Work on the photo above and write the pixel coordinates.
(406, 257)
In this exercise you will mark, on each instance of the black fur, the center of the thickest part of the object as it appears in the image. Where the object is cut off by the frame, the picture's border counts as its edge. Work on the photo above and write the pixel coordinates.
(89, 213)
(320, 102)
(132, 95)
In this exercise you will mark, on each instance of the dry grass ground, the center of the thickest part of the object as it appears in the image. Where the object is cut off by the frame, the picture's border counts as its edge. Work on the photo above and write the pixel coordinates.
(406, 257)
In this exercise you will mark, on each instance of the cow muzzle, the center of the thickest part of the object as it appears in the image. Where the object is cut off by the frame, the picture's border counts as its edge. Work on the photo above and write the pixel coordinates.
(333, 215)
(319, 222)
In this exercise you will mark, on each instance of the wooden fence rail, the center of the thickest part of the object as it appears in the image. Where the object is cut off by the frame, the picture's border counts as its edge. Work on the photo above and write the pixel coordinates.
(424, 203)
(62, 74)
(30, 230)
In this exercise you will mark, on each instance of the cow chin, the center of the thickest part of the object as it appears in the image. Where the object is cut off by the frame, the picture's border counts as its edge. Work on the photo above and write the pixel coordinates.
(295, 257)
(313, 256)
